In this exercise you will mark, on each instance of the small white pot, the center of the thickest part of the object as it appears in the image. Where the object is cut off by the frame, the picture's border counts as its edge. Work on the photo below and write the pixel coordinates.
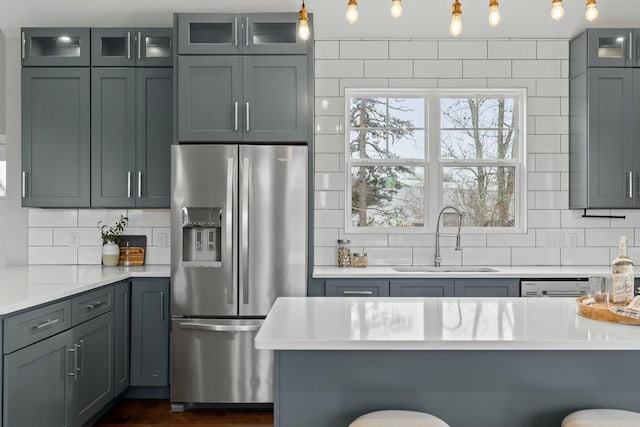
(110, 254)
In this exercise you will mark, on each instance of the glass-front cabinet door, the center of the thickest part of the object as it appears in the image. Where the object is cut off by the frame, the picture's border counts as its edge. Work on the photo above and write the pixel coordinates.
(272, 33)
(53, 47)
(154, 47)
(209, 33)
(113, 47)
(615, 47)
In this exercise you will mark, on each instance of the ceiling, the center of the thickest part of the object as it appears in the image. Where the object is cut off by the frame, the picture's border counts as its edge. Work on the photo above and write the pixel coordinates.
(422, 18)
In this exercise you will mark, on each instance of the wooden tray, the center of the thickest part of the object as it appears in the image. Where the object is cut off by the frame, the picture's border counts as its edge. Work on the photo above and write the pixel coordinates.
(600, 311)
(137, 249)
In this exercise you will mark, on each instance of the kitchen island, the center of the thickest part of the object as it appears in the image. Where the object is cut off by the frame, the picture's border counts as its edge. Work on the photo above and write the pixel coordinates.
(474, 362)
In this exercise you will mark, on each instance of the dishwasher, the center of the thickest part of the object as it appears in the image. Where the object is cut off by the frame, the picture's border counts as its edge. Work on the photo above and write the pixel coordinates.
(559, 287)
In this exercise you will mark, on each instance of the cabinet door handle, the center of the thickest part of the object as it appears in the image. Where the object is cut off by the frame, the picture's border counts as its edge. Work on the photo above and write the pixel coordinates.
(139, 184)
(357, 293)
(128, 44)
(94, 305)
(45, 324)
(80, 350)
(162, 306)
(235, 31)
(75, 363)
(235, 123)
(129, 184)
(24, 184)
(247, 113)
(630, 184)
(139, 45)
(24, 46)
(630, 45)
(246, 33)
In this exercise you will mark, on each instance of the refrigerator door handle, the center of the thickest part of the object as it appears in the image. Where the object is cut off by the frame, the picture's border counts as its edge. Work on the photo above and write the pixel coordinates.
(244, 278)
(229, 231)
(219, 328)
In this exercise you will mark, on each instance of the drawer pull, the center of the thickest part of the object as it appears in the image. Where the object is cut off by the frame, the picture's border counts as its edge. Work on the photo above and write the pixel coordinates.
(94, 305)
(46, 323)
(73, 372)
(357, 293)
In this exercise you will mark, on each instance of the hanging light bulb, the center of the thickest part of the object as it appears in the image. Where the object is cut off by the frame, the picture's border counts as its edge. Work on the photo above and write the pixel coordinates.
(352, 11)
(396, 8)
(494, 13)
(557, 12)
(456, 19)
(303, 24)
(592, 11)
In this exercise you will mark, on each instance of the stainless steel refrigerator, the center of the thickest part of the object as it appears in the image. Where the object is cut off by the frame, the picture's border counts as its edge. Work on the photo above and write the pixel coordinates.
(238, 241)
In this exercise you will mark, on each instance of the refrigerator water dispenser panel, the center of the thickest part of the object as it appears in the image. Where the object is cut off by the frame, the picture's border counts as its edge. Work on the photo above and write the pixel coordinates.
(201, 232)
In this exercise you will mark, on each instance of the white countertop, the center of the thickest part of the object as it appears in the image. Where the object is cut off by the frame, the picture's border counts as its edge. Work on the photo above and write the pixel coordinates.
(529, 272)
(29, 286)
(438, 324)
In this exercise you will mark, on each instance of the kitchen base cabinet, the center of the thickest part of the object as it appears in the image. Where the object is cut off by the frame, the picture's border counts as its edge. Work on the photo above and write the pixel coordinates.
(422, 288)
(487, 287)
(122, 334)
(357, 288)
(38, 384)
(150, 332)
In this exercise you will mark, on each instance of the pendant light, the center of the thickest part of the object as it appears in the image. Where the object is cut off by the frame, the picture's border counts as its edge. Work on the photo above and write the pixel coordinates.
(592, 11)
(557, 12)
(303, 24)
(494, 13)
(455, 29)
(396, 8)
(352, 11)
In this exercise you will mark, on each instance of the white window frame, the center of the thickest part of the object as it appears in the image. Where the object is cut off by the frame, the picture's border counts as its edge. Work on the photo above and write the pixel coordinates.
(432, 163)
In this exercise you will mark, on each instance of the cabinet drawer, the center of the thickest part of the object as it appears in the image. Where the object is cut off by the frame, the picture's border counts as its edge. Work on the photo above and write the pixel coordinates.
(92, 304)
(359, 288)
(27, 328)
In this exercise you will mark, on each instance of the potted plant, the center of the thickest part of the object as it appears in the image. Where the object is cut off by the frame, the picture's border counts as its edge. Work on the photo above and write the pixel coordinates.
(110, 235)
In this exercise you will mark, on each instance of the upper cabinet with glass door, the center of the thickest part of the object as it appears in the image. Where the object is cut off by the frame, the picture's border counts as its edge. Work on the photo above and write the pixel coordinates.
(615, 47)
(55, 47)
(236, 33)
(130, 47)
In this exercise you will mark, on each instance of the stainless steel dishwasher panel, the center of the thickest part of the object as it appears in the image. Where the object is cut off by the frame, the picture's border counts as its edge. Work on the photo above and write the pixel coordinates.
(556, 287)
(216, 361)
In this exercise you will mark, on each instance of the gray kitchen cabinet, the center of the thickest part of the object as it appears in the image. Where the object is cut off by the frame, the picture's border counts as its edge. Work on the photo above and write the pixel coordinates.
(422, 288)
(56, 137)
(130, 47)
(356, 288)
(612, 47)
(210, 98)
(150, 332)
(236, 33)
(55, 47)
(236, 98)
(487, 287)
(121, 335)
(93, 382)
(275, 98)
(131, 137)
(38, 384)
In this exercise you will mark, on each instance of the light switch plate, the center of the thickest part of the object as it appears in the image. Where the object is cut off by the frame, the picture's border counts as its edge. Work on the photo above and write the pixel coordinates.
(74, 239)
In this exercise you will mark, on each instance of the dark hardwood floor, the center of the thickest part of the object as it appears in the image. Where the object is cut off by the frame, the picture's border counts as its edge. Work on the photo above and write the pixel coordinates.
(148, 413)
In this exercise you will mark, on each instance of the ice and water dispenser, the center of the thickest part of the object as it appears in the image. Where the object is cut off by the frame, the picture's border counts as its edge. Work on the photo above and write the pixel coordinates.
(201, 232)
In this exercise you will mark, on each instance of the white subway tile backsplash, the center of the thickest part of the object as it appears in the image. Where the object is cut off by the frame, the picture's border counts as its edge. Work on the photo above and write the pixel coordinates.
(494, 68)
(553, 49)
(413, 49)
(540, 106)
(328, 68)
(552, 162)
(329, 218)
(90, 217)
(552, 200)
(528, 84)
(512, 239)
(543, 144)
(543, 218)
(329, 181)
(573, 219)
(328, 199)
(584, 256)
(426, 256)
(327, 125)
(76, 237)
(53, 217)
(329, 106)
(486, 256)
(327, 162)
(608, 237)
(462, 83)
(437, 69)
(157, 256)
(389, 256)
(512, 49)
(149, 218)
(552, 87)
(90, 255)
(40, 236)
(395, 68)
(539, 69)
(535, 256)
(327, 87)
(324, 256)
(362, 240)
(548, 181)
(326, 49)
(329, 144)
(462, 49)
(52, 255)
(325, 237)
(413, 83)
(412, 239)
(369, 49)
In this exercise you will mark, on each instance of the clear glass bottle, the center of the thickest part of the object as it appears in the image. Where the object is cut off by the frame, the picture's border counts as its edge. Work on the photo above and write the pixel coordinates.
(344, 253)
(622, 274)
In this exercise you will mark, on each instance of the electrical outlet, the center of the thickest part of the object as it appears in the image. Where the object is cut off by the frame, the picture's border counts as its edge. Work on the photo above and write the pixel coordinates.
(74, 239)
(571, 240)
(161, 240)
(555, 240)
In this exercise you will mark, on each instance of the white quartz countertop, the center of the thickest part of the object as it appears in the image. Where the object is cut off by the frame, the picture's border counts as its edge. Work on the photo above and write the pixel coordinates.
(438, 324)
(529, 272)
(29, 286)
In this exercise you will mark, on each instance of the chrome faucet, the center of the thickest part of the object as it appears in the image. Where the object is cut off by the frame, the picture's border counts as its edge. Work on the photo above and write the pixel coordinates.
(438, 234)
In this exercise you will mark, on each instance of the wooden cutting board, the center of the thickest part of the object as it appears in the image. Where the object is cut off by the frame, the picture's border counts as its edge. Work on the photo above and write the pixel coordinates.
(137, 249)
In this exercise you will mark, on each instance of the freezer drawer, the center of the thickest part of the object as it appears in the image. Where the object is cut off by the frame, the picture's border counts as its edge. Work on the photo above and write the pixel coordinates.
(215, 361)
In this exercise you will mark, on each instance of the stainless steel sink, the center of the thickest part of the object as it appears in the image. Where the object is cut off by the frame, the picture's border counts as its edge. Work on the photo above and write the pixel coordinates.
(445, 269)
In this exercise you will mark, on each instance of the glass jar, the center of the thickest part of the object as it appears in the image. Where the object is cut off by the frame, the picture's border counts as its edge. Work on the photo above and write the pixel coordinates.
(344, 253)
(359, 260)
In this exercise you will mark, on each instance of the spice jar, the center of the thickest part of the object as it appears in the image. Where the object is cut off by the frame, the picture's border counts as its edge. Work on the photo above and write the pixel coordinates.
(359, 260)
(344, 253)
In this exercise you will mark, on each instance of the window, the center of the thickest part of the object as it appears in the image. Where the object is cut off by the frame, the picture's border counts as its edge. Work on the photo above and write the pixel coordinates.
(411, 152)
